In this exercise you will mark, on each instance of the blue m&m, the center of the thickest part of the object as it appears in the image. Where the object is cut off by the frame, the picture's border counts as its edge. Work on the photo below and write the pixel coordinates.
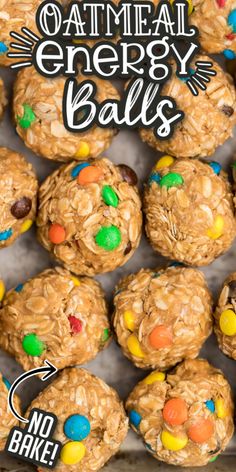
(77, 427)
(154, 177)
(77, 169)
(216, 167)
(4, 235)
(232, 20)
(135, 418)
(210, 405)
(3, 48)
(6, 383)
(229, 54)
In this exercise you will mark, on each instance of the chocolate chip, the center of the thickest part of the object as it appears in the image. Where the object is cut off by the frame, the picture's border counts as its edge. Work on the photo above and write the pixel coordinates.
(228, 111)
(128, 248)
(128, 174)
(21, 208)
(232, 288)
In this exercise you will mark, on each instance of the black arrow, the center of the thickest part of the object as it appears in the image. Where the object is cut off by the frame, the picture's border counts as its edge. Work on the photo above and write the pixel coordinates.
(50, 370)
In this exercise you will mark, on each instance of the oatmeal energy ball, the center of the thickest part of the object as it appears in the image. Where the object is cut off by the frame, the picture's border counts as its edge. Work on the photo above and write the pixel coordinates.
(37, 106)
(3, 99)
(189, 210)
(209, 117)
(54, 316)
(216, 22)
(18, 196)
(7, 420)
(225, 317)
(90, 216)
(162, 317)
(91, 420)
(14, 15)
(185, 419)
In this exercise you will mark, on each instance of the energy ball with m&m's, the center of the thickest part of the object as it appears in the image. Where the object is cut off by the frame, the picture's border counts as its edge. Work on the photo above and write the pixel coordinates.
(54, 316)
(92, 423)
(216, 22)
(37, 106)
(225, 317)
(7, 420)
(15, 15)
(18, 196)
(209, 117)
(90, 216)
(189, 210)
(185, 419)
(162, 317)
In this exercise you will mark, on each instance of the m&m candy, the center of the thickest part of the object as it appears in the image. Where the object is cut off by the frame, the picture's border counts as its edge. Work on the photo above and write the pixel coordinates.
(108, 237)
(26, 226)
(161, 337)
(217, 228)
(19, 288)
(28, 117)
(129, 320)
(57, 233)
(154, 377)
(83, 151)
(75, 324)
(227, 322)
(4, 235)
(32, 345)
(201, 431)
(77, 427)
(173, 179)
(3, 48)
(135, 418)
(89, 175)
(72, 452)
(216, 167)
(232, 20)
(6, 383)
(77, 169)
(164, 161)
(172, 442)
(210, 405)
(134, 346)
(220, 408)
(109, 196)
(154, 177)
(229, 54)
(105, 335)
(175, 411)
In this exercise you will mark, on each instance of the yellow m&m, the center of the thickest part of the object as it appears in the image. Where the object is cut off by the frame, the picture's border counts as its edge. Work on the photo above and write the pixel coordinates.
(134, 346)
(83, 151)
(217, 228)
(165, 161)
(2, 290)
(228, 322)
(129, 320)
(220, 408)
(26, 226)
(72, 452)
(173, 443)
(154, 377)
(75, 281)
(190, 5)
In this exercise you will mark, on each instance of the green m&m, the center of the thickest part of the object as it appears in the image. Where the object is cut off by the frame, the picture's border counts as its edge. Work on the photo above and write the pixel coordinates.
(105, 336)
(172, 179)
(109, 196)
(28, 117)
(108, 237)
(32, 345)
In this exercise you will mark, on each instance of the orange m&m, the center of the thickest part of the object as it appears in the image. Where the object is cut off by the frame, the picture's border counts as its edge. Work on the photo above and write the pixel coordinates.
(175, 411)
(161, 337)
(89, 175)
(201, 430)
(57, 234)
